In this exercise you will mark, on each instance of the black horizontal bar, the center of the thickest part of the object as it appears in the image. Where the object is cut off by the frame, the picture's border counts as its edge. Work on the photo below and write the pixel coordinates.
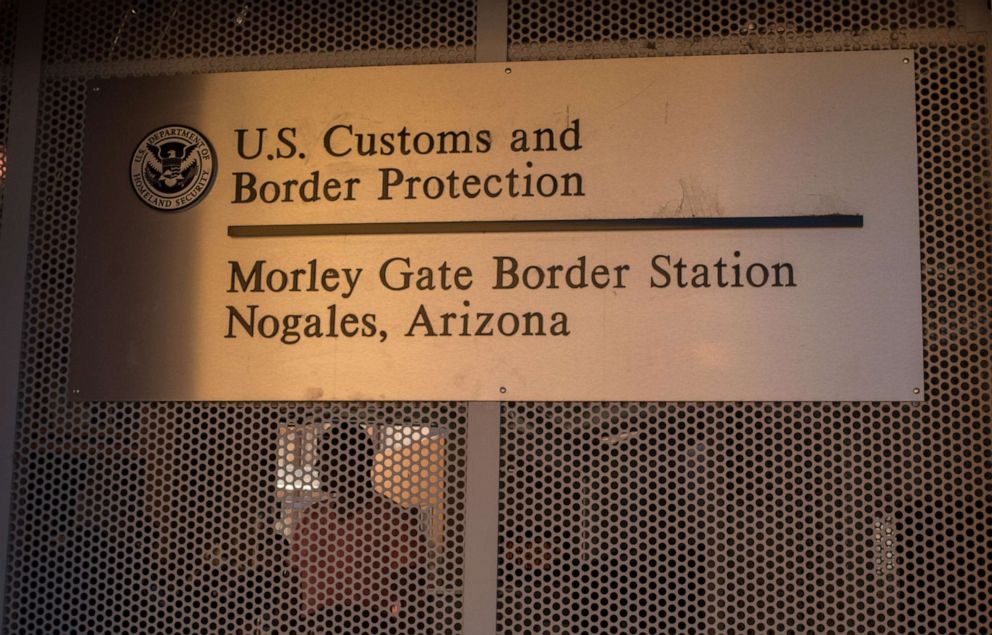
(576, 225)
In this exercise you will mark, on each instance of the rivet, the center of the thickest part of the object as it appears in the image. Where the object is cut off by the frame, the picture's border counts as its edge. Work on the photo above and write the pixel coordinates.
(507, 70)
(916, 391)
(502, 390)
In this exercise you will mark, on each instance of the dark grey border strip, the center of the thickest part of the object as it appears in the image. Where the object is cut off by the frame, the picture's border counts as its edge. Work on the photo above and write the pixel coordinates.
(14, 246)
(525, 226)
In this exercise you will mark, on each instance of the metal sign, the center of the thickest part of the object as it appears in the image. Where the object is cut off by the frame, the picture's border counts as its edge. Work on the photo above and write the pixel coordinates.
(712, 228)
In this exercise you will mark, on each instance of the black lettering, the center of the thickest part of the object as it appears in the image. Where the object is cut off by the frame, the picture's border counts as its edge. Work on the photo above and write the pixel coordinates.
(310, 195)
(778, 268)
(348, 325)
(268, 326)
(533, 323)
(312, 328)
(542, 135)
(328, 146)
(483, 141)
(701, 276)
(572, 185)
(422, 320)
(559, 324)
(268, 192)
(289, 325)
(241, 143)
(484, 329)
(405, 276)
(369, 328)
(506, 276)
(655, 264)
(244, 187)
(453, 142)
(519, 141)
(510, 326)
(764, 274)
(570, 137)
(286, 136)
(425, 148)
(391, 177)
(387, 147)
(238, 277)
(247, 325)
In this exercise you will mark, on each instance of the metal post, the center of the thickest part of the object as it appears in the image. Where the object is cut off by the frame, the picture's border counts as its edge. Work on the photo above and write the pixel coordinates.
(14, 245)
(482, 441)
(491, 31)
(481, 518)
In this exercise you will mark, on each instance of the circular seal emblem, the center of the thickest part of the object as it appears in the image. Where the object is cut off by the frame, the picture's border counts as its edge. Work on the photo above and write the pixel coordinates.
(173, 168)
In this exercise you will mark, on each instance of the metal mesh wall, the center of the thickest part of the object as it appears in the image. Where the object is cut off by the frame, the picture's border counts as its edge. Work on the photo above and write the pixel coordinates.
(773, 517)
(8, 24)
(210, 518)
(561, 21)
(619, 518)
(130, 30)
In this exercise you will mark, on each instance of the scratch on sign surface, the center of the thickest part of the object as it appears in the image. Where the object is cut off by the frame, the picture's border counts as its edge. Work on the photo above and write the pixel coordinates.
(696, 200)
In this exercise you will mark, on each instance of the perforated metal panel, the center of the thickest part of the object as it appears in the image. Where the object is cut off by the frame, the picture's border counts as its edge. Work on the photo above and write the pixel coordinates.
(209, 518)
(755, 517)
(614, 518)
(138, 518)
(561, 21)
(129, 30)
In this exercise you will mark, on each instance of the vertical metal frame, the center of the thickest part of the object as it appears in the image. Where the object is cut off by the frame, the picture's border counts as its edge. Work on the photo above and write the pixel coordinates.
(482, 439)
(14, 244)
(491, 39)
(481, 518)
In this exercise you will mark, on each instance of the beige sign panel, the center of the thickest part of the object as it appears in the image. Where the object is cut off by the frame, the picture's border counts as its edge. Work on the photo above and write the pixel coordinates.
(711, 228)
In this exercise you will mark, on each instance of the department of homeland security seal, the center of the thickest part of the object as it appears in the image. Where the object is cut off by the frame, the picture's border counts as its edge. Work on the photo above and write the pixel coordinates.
(173, 168)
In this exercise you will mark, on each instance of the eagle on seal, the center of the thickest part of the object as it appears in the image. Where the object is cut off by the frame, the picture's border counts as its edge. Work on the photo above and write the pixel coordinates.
(171, 165)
